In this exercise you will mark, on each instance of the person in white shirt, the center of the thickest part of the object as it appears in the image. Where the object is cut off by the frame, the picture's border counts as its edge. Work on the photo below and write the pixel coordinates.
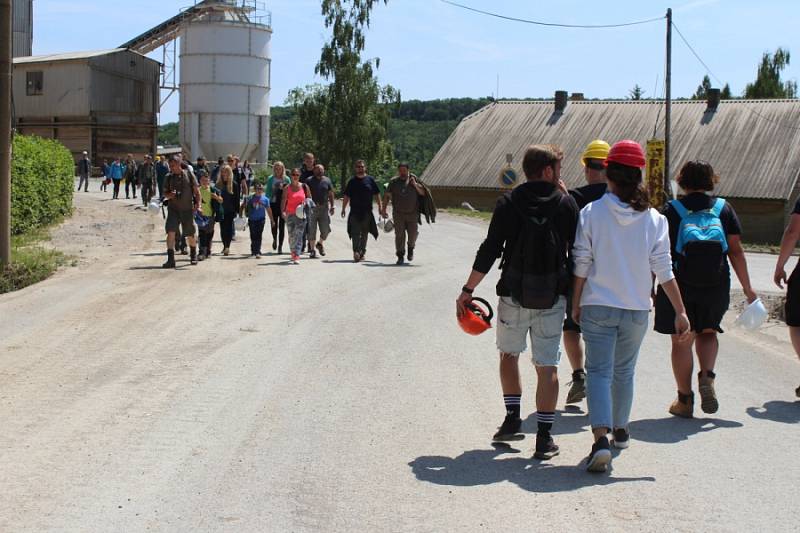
(620, 244)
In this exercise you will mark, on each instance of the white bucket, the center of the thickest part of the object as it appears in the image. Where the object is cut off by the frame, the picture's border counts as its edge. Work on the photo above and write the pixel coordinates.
(753, 316)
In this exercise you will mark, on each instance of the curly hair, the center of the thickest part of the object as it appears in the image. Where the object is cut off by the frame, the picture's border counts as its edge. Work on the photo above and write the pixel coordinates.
(697, 176)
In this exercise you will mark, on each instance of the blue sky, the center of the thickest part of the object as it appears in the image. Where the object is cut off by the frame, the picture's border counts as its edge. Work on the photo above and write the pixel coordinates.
(429, 49)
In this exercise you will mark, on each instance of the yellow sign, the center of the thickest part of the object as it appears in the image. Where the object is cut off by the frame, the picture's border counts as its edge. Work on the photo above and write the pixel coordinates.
(654, 172)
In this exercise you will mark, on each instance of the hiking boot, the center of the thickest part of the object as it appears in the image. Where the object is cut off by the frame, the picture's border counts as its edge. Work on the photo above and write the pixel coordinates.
(226, 251)
(622, 438)
(170, 260)
(509, 429)
(274, 245)
(545, 447)
(708, 397)
(600, 456)
(577, 389)
(410, 254)
(193, 257)
(400, 260)
(321, 249)
(683, 405)
(356, 257)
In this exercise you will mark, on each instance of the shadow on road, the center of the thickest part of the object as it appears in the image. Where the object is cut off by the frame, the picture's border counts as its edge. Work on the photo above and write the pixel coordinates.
(485, 467)
(388, 265)
(159, 267)
(777, 411)
(149, 254)
(673, 429)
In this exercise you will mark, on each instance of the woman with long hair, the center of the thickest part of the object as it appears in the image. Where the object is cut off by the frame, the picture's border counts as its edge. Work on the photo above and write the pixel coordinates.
(294, 195)
(701, 268)
(275, 185)
(620, 244)
(230, 192)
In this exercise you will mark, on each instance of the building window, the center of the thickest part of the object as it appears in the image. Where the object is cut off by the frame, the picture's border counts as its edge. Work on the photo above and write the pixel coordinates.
(34, 83)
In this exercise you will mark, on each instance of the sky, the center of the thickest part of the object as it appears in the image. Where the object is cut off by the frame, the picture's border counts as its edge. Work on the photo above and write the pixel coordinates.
(429, 49)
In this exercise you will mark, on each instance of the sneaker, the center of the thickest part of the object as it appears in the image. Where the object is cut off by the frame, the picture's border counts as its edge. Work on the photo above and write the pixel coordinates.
(184, 251)
(258, 256)
(295, 259)
(201, 257)
(708, 397)
(362, 255)
(509, 429)
(682, 406)
(600, 456)
(356, 257)
(545, 447)
(280, 250)
(321, 249)
(312, 254)
(410, 254)
(622, 438)
(226, 251)
(577, 389)
(400, 260)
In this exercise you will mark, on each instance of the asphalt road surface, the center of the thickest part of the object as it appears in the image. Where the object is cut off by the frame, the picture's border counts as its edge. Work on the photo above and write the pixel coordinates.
(252, 395)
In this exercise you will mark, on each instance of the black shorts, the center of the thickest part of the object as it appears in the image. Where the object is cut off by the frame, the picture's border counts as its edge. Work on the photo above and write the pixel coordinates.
(792, 309)
(704, 306)
(569, 324)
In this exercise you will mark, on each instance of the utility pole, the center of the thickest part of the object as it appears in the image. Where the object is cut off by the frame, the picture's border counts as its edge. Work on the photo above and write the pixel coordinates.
(5, 132)
(668, 110)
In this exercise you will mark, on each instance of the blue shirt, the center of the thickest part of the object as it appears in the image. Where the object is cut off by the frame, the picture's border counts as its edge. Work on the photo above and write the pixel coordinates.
(117, 170)
(257, 207)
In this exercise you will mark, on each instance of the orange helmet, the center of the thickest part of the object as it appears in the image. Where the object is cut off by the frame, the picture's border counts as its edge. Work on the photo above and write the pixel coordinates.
(476, 320)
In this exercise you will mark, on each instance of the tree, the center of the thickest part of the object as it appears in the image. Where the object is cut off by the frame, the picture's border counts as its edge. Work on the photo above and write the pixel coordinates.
(348, 119)
(636, 93)
(768, 82)
(702, 90)
(725, 93)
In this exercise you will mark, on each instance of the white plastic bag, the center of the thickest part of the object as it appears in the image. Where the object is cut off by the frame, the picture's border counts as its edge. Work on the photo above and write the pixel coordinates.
(240, 223)
(154, 207)
(753, 316)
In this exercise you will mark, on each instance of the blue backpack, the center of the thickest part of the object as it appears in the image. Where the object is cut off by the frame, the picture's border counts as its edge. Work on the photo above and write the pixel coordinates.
(702, 245)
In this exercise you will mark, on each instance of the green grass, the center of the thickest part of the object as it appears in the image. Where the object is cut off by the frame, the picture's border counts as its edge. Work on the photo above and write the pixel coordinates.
(30, 261)
(481, 215)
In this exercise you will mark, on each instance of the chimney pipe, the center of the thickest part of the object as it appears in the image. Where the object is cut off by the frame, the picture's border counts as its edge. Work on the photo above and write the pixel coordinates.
(713, 99)
(561, 101)
(577, 97)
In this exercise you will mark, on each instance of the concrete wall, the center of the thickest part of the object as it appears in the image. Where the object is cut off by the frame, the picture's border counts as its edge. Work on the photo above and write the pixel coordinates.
(762, 220)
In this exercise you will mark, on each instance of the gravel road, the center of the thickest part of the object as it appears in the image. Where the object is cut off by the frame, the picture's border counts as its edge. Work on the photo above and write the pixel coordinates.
(245, 395)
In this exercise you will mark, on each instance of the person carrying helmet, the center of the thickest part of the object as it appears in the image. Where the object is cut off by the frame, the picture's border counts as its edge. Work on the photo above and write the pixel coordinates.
(182, 192)
(405, 191)
(359, 194)
(532, 228)
(319, 218)
(620, 244)
(705, 233)
(594, 171)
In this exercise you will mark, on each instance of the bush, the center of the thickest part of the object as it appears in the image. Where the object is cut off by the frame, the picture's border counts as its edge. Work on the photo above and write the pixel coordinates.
(42, 180)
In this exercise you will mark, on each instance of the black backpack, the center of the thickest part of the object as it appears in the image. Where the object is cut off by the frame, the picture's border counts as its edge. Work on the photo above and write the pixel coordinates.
(534, 268)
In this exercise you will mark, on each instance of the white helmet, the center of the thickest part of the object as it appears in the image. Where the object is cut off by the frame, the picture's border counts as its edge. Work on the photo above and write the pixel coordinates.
(240, 222)
(300, 212)
(154, 207)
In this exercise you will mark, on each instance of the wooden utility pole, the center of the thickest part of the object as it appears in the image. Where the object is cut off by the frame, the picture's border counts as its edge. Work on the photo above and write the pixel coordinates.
(5, 131)
(668, 110)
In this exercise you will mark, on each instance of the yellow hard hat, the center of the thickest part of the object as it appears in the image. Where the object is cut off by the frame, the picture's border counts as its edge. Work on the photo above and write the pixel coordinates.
(596, 150)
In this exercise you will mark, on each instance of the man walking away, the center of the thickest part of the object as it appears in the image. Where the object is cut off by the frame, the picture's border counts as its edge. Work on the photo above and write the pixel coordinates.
(359, 192)
(405, 192)
(183, 194)
(594, 171)
(130, 176)
(322, 194)
(84, 171)
(147, 177)
(533, 228)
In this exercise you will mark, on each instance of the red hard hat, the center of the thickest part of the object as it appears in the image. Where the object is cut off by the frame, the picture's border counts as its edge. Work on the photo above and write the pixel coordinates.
(476, 320)
(628, 153)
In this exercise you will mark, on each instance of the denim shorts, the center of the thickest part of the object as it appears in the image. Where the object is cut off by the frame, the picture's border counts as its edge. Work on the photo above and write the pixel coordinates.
(515, 323)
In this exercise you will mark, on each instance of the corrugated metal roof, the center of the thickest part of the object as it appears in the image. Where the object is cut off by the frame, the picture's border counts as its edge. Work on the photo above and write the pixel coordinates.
(70, 56)
(754, 145)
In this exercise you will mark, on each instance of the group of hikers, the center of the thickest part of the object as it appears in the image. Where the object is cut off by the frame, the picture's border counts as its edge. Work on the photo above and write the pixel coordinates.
(584, 263)
(297, 204)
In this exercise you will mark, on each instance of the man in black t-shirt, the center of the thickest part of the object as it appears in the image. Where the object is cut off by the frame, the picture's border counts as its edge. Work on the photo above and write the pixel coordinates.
(359, 194)
(321, 189)
(307, 168)
(594, 171)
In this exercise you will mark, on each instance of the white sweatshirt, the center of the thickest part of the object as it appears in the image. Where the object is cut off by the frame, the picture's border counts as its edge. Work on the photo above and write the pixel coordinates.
(616, 249)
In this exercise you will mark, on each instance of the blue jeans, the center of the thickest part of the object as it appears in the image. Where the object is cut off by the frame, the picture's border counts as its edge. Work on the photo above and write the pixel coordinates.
(613, 337)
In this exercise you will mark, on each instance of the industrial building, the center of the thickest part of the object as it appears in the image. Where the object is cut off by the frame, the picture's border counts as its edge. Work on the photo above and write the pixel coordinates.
(22, 28)
(104, 102)
(754, 145)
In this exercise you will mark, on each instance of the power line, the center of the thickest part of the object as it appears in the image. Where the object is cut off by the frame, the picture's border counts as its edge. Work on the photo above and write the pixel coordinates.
(551, 24)
(747, 107)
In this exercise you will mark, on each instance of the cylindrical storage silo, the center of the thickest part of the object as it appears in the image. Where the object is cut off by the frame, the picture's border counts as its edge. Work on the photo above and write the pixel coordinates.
(225, 83)
(22, 24)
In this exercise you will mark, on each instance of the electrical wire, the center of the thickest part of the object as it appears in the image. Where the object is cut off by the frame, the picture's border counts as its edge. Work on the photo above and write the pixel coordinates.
(719, 81)
(551, 24)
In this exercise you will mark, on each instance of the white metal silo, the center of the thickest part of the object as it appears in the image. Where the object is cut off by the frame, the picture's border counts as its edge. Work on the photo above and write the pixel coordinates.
(224, 87)
(22, 24)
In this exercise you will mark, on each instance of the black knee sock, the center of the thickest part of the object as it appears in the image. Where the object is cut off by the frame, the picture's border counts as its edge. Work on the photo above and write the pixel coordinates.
(545, 422)
(512, 402)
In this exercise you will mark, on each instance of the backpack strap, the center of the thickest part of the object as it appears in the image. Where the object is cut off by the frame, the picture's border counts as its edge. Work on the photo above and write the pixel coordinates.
(719, 205)
(679, 208)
